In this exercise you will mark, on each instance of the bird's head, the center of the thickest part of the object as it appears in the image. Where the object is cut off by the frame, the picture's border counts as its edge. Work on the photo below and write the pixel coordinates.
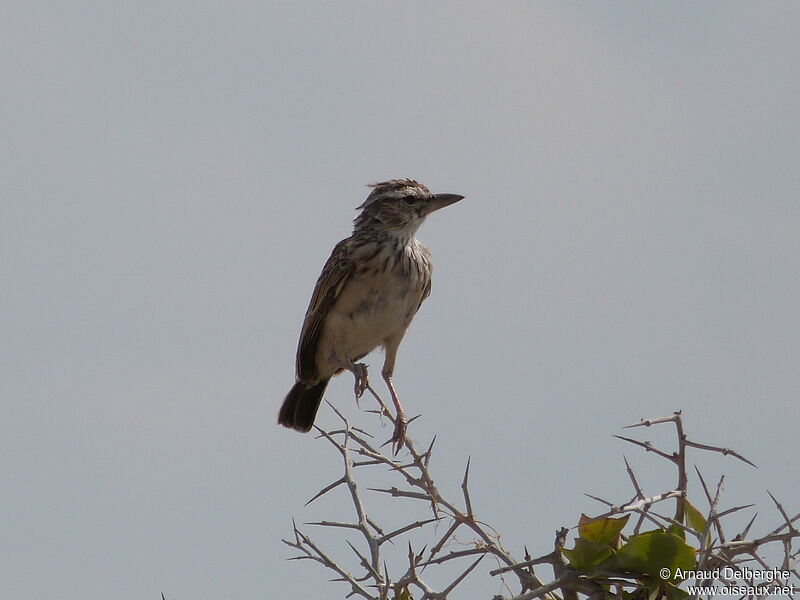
(398, 207)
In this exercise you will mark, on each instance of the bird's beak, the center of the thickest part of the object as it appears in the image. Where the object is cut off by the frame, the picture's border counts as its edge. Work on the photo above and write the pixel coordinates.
(440, 201)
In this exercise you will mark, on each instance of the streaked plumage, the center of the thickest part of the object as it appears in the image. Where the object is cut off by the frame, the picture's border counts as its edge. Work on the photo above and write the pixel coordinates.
(369, 291)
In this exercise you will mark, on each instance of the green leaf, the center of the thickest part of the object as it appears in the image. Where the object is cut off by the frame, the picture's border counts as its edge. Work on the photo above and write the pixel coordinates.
(650, 552)
(403, 594)
(677, 530)
(602, 531)
(694, 518)
(586, 555)
(663, 590)
(675, 593)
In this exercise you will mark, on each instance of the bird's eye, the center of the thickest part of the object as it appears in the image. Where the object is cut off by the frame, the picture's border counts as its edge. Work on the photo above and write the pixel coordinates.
(408, 199)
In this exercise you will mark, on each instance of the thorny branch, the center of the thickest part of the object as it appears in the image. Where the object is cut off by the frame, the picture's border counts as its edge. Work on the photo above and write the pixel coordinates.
(376, 581)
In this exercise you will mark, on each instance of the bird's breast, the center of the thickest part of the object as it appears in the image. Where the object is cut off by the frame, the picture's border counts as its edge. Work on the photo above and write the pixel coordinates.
(378, 302)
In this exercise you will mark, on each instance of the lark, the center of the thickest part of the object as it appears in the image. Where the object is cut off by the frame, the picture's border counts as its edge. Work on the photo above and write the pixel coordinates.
(367, 295)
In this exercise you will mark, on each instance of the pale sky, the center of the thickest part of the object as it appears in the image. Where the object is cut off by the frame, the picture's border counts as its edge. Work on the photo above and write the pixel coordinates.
(173, 177)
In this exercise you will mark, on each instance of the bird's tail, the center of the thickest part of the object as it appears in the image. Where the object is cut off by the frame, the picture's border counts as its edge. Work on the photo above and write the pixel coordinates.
(300, 406)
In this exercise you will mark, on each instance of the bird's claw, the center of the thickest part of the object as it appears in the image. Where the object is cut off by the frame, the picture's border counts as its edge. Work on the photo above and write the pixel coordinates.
(362, 382)
(399, 437)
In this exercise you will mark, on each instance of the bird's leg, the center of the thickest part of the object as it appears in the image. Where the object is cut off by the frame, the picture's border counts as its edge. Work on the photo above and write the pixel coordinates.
(359, 371)
(400, 423)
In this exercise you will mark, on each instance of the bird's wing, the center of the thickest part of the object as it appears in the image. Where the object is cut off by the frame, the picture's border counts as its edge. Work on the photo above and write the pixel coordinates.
(425, 293)
(332, 280)
(426, 274)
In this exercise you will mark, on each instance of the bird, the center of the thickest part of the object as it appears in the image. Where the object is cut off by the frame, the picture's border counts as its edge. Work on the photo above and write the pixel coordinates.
(366, 296)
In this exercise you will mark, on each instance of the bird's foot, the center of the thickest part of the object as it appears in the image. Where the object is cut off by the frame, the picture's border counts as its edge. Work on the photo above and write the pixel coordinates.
(362, 381)
(399, 437)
